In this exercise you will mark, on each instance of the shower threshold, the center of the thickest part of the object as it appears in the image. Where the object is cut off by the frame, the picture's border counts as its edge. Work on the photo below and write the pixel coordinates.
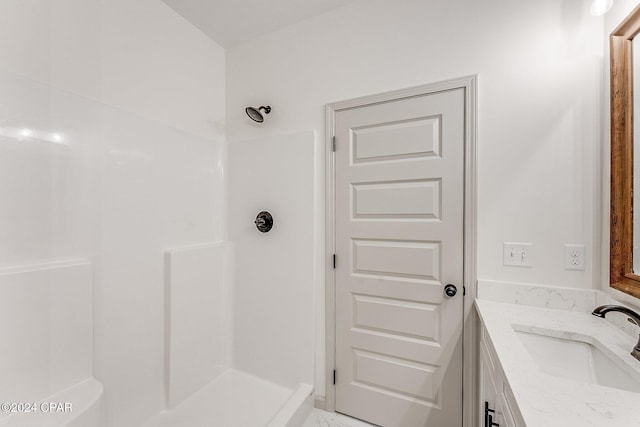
(238, 399)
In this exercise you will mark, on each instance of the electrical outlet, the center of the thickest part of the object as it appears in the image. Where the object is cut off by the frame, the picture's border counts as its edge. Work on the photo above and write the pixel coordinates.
(518, 254)
(574, 257)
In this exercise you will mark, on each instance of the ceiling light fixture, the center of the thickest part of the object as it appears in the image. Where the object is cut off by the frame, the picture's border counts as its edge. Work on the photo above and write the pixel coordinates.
(600, 7)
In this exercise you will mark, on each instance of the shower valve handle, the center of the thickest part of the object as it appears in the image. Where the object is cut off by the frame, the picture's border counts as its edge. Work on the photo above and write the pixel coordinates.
(264, 222)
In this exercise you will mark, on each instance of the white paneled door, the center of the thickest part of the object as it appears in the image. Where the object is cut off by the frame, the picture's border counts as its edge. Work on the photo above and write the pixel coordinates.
(399, 211)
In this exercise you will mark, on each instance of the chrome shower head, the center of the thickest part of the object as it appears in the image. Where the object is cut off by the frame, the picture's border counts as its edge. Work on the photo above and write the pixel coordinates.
(255, 114)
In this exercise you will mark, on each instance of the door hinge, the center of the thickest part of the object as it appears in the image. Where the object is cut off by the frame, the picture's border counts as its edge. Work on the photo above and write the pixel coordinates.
(464, 291)
(334, 377)
(333, 144)
(334, 260)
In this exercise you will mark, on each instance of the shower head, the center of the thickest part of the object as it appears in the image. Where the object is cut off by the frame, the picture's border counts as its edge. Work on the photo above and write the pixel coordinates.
(255, 114)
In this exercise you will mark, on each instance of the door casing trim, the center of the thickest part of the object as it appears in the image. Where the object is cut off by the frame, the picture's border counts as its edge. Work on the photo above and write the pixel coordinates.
(470, 330)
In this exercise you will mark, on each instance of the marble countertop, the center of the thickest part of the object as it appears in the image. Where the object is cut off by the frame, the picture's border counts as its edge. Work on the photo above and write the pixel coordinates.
(548, 401)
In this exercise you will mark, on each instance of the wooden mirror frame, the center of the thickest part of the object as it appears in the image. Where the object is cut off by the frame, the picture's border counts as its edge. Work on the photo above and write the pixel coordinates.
(621, 275)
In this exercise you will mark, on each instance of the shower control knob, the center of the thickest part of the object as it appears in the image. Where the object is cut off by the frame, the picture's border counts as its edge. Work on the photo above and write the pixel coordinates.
(264, 221)
(450, 290)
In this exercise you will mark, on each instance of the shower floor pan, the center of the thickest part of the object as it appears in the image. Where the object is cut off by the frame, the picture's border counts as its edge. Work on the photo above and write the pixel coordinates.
(237, 399)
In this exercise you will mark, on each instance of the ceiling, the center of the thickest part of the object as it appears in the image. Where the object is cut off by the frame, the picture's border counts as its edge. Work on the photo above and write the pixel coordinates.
(231, 22)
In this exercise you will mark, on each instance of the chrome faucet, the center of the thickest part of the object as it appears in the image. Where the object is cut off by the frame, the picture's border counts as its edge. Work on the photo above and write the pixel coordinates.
(633, 318)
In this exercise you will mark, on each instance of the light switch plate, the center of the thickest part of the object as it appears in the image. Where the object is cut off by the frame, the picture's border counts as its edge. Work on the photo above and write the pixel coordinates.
(518, 254)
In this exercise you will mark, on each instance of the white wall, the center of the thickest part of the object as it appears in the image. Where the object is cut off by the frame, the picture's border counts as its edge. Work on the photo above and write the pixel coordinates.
(619, 11)
(539, 67)
(138, 94)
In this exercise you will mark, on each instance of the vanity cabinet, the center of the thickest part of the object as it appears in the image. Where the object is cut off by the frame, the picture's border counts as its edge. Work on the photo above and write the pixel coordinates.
(497, 405)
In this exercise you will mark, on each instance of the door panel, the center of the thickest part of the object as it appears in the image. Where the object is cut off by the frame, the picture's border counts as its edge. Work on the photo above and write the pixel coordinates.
(399, 176)
(418, 137)
(417, 199)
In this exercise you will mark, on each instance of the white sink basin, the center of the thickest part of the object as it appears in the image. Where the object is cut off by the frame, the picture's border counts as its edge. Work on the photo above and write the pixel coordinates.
(577, 361)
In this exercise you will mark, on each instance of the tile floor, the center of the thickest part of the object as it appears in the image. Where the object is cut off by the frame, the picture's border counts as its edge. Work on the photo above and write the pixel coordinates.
(319, 418)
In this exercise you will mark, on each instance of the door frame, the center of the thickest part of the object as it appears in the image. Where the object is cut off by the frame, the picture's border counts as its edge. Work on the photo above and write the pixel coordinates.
(470, 368)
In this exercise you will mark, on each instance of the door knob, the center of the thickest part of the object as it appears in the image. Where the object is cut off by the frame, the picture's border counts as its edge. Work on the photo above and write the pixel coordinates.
(450, 290)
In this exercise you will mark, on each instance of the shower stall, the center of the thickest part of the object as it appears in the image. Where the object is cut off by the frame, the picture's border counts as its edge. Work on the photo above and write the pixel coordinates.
(135, 288)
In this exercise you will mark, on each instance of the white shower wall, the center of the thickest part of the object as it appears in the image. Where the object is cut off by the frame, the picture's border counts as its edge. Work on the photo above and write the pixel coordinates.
(138, 56)
(136, 97)
(274, 272)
